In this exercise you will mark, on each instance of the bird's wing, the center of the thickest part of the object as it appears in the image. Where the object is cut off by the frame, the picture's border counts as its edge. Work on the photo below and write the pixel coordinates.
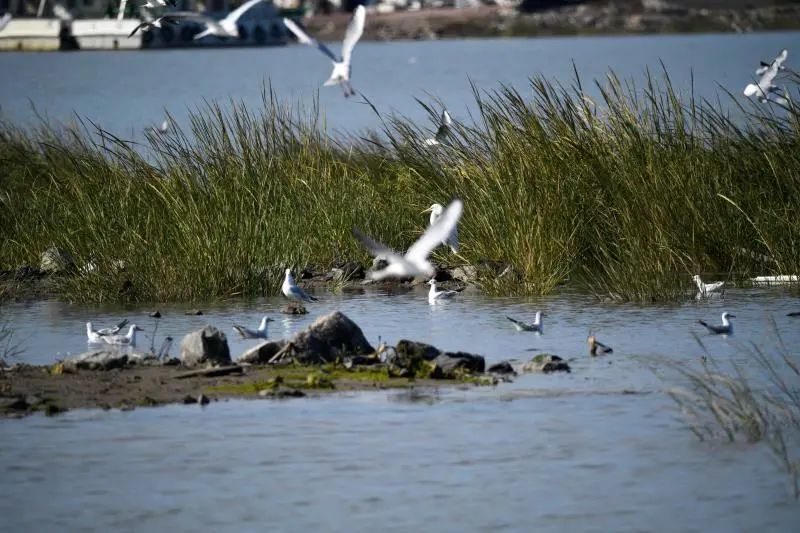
(516, 322)
(137, 28)
(374, 247)
(768, 75)
(353, 33)
(234, 15)
(304, 38)
(782, 57)
(300, 293)
(436, 233)
(121, 324)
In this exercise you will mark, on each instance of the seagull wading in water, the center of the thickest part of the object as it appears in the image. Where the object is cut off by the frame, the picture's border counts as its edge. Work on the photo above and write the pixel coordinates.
(291, 290)
(260, 333)
(726, 327)
(441, 134)
(415, 261)
(706, 288)
(436, 211)
(127, 339)
(536, 325)
(765, 90)
(341, 66)
(438, 296)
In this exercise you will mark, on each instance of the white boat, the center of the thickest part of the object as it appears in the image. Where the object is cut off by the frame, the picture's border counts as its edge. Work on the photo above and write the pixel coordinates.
(37, 34)
(106, 34)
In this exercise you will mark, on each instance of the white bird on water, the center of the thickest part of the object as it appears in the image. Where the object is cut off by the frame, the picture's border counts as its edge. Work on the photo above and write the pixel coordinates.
(436, 211)
(341, 66)
(705, 289)
(127, 339)
(291, 290)
(415, 261)
(726, 327)
(537, 325)
(438, 296)
(260, 333)
(96, 336)
(765, 90)
(444, 130)
(228, 27)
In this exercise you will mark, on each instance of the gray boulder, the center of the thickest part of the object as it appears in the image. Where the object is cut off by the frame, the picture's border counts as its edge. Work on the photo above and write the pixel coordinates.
(96, 360)
(56, 261)
(207, 345)
(423, 360)
(450, 365)
(330, 336)
(261, 354)
(503, 367)
(546, 363)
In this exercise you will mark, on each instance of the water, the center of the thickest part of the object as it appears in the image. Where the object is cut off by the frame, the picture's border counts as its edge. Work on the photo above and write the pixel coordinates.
(573, 451)
(125, 92)
(602, 448)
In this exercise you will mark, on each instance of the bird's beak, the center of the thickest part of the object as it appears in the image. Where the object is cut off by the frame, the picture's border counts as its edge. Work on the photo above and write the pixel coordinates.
(731, 316)
(139, 329)
(270, 320)
(426, 210)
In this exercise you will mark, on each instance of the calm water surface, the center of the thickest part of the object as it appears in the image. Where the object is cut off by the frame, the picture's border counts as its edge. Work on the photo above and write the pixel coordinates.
(576, 451)
(125, 92)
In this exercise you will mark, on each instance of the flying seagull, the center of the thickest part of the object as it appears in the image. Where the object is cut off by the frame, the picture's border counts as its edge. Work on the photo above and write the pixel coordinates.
(724, 329)
(127, 339)
(536, 325)
(228, 27)
(415, 261)
(778, 60)
(157, 23)
(437, 296)
(291, 290)
(341, 66)
(436, 211)
(596, 347)
(706, 288)
(260, 333)
(765, 90)
(444, 130)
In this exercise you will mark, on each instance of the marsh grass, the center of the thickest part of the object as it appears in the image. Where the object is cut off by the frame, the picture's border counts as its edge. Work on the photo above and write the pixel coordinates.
(10, 348)
(627, 196)
(755, 400)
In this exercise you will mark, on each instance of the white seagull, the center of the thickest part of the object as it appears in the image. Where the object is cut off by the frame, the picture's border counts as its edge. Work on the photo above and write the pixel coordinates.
(127, 339)
(765, 90)
(157, 23)
(536, 325)
(227, 27)
(4, 20)
(706, 288)
(96, 336)
(415, 262)
(724, 329)
(444, 130)
(436, 211)
(778, 60)
(437, 296)
(341, 66)
(291, 290)
(260, 333)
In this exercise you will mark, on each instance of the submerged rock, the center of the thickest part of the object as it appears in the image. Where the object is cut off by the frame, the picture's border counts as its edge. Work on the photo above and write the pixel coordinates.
(451, 365)
(55, 260)
(546, 363)
(261, 354)
(417, 359)
(294, 308)
(503, 367)
(329, 337)
(207, 345)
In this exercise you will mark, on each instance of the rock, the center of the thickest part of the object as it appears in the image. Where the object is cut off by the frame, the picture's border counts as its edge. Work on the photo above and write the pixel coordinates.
(450, 365)
(207, 345)
(189, 399)
(95, 360)
(56, 261)
(466, 273)
(546, 363)
(503, 367)
(26, 272)
(261, 354)
(329, 337)
(294, 308)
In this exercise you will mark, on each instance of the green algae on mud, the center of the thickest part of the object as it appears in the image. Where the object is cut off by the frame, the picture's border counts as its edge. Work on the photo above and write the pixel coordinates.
(628, 196)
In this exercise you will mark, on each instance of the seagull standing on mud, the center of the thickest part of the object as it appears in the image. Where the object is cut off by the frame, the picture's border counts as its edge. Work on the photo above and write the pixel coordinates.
(444, 130)
(765, 90)
(260, 333)
(341, 66)
(705, 289)
(415, 261)
(291, 290)
(725, 329)
(438, 296)
(436, 211)
(536, 325)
